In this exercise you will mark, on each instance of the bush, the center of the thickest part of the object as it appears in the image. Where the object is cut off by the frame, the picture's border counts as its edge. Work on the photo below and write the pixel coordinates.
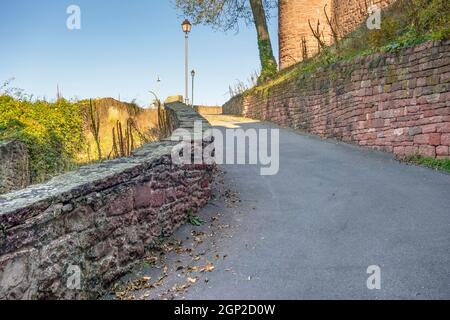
(51, 131)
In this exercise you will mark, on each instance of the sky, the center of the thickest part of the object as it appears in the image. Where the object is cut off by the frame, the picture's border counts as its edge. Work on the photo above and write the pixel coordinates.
(119, 51)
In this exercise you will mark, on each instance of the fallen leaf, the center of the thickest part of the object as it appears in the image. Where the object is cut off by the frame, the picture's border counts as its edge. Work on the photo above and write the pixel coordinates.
(192, 280)
(208, 268)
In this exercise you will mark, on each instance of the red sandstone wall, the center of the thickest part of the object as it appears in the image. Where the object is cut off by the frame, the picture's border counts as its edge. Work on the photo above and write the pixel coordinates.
(394, 102)
(293, 23)
(349, 14)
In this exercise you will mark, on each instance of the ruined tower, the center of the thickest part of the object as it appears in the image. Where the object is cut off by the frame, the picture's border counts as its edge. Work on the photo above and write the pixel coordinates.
(294, 29)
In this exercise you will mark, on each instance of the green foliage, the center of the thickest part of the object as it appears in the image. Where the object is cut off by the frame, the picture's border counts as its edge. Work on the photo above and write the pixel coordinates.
(411, 22)
(442, 165)
(428, 15)
(220, 14)
(194, 220)
(51, 131)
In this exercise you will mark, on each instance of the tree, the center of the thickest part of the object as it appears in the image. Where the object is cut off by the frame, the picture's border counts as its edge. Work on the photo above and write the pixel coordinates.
(226, 14)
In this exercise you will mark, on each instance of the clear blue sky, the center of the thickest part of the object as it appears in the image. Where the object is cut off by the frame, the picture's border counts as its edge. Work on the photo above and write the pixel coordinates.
(121, 48)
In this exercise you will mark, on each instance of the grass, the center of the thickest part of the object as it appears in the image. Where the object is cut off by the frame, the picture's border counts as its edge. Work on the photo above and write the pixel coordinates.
(194, 220)
(436, 164)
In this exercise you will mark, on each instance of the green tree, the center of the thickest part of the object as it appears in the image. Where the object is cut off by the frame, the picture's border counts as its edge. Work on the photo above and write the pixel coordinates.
(226, 14)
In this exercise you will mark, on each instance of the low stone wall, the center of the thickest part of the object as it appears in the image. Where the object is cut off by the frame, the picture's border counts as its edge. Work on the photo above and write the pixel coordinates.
(397, 102)
(14, 166)
(98, 220)
(209, 110)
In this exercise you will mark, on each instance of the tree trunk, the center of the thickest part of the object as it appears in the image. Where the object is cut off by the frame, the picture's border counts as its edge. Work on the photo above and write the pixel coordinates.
(268, 62)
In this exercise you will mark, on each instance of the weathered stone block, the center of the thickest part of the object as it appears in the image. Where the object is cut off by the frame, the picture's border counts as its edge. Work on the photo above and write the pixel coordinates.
(80, 219)
(427, 151)
(442, 151)
(445, 139)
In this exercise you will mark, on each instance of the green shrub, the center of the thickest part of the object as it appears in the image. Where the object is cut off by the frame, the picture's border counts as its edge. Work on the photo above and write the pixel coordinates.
(51, 131)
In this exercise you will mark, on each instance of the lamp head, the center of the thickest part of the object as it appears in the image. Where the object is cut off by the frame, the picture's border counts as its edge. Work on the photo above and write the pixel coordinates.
(187, 26)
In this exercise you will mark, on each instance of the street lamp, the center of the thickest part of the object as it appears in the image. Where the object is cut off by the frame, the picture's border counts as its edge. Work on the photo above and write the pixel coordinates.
(186, 26)
(158, 85)
(193, 76)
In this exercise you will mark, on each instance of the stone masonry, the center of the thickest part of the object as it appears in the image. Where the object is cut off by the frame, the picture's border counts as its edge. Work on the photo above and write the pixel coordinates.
(99, 220)
(349, 14)
(293, 26)
(346, 15)
(398, 102)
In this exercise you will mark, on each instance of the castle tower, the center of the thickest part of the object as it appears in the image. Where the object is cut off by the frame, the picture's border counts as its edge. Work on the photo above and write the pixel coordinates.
(294, 15)
(293, 27)
(349, 14)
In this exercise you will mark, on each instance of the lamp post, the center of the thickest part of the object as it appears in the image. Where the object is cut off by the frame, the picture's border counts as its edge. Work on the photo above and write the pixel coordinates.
(186, 26)
(158, 86)
(192, 93)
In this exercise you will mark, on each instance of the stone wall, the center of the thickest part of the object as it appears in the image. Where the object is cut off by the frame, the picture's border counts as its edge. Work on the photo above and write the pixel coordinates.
(349, 14)
(14, 166)
(100, 219)
(397, 102)
(209, 110)
(295, 14)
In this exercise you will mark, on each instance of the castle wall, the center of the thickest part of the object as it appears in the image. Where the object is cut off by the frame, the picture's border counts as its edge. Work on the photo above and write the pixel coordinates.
(295, 14)
(395, 102)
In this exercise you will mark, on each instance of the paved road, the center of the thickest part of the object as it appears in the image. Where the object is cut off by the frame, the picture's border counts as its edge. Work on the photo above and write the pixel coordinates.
(312, 231)
(333, 210)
